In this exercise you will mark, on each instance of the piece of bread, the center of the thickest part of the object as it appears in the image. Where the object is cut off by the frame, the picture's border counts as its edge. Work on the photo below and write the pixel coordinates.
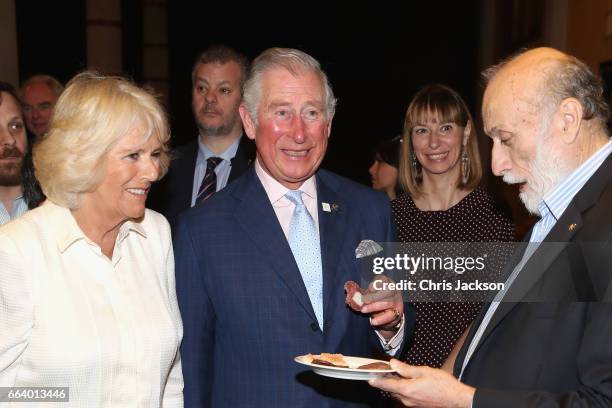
(327, 359)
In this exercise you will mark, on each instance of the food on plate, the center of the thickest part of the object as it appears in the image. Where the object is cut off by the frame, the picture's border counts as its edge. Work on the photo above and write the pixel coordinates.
(327, 359)
(378, 365)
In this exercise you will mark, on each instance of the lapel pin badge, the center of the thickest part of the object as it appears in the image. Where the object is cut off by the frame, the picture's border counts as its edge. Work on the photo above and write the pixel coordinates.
(335, 207)
(326, 207)
(571, 227)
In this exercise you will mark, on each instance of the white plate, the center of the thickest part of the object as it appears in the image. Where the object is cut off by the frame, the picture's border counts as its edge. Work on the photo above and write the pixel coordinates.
(351, 373)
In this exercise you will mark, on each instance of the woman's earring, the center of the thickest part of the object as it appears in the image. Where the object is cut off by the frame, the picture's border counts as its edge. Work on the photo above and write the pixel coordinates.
(416, 169)
(465, 166)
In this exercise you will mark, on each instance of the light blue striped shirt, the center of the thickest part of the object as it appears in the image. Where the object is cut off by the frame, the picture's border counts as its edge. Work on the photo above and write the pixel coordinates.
(551, 208)
(222, 170)
(555, 203)
(19, 208)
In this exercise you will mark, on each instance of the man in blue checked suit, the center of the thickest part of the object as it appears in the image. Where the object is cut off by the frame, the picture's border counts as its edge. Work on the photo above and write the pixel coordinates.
(261, 266)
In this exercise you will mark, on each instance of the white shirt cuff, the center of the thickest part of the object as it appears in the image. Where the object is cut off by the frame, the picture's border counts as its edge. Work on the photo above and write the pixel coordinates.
(392, 346)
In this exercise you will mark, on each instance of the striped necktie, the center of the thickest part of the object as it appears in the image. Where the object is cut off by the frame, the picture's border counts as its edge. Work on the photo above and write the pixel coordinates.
(209, 182)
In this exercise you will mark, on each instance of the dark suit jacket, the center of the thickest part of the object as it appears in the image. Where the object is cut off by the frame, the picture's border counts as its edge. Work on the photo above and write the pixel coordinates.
(554, 349)
(172, 194)
(245, 309)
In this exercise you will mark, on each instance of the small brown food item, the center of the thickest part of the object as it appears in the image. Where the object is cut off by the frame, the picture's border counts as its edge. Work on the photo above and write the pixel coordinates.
(379, 365)
(354, 295)
(327, 359)
(327, 363)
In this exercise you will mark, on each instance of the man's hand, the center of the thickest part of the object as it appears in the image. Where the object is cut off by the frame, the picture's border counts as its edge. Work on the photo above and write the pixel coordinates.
(385, 307)
(425, 387)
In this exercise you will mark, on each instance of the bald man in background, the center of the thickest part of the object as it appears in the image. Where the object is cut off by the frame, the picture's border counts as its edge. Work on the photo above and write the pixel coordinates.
(546, 339)
(38, 94)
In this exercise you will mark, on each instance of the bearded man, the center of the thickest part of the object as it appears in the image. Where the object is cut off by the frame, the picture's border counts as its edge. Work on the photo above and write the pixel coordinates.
(544, 340)
(221, 153)
(13, 146)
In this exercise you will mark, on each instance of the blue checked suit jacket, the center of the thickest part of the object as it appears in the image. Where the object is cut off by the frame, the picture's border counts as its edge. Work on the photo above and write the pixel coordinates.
(245, 309)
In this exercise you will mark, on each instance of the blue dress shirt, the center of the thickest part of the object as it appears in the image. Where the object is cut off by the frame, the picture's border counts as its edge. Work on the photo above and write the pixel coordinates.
(222, 170)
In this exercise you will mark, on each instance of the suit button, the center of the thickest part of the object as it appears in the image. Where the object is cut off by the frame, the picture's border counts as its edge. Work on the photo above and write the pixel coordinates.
(314, 326)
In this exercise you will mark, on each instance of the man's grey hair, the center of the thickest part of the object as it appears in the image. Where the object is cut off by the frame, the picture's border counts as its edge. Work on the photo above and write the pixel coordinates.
(567, 78)
(221, 54)
(292, 60)
(53, 83)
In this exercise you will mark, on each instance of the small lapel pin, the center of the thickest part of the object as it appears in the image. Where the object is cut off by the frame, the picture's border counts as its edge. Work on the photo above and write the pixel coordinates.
(326, 207)
(571, 227)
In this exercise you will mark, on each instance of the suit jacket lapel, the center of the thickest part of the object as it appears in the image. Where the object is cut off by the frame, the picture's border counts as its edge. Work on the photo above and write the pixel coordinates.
(243, 158)
(332, 225)
(185, 171)
(562, 233)
(257, 217)
(516, 257)
(531, 272)
(538, 264)
(556, 241)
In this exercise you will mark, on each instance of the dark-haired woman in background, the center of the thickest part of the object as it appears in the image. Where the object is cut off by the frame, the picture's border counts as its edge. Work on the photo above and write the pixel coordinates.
(440, 170)
(385, 168)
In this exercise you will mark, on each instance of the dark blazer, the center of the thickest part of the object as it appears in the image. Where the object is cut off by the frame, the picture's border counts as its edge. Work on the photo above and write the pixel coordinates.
(553, 348)
(245, 309)
(172, 194)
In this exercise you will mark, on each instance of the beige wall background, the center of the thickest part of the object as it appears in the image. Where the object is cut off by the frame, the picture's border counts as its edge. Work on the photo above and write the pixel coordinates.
(582, 28)
(589, 31)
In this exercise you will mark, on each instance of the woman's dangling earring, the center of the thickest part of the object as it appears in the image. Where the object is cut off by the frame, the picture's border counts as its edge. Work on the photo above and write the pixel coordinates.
(465, 166)
(416, 169)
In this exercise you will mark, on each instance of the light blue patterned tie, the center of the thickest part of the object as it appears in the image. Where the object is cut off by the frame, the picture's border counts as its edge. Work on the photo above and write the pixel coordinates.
(304, 242)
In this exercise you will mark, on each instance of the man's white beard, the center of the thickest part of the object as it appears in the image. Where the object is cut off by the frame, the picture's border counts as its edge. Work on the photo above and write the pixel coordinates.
(546, 173)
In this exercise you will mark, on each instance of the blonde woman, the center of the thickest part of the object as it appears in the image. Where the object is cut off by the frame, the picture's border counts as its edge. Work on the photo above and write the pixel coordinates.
(87, 293)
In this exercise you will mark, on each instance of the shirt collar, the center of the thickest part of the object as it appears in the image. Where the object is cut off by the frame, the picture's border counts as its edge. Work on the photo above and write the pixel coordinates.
(204, 152)
(16, 200)
(545, 211)
(557, 200)
(19, 207)
(69, 232)
(276, 190)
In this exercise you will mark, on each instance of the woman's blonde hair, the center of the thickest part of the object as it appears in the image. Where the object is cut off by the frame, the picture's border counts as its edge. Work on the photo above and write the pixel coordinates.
(91, 115)
(447, 106)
